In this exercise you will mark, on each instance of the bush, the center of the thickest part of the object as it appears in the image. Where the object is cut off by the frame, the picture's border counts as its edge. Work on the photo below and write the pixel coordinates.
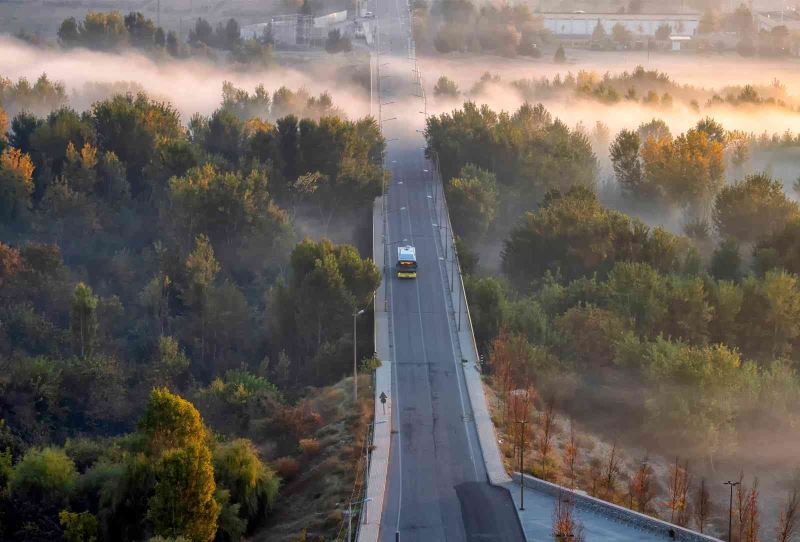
(43, 475)
(309, 447)
(286, 467)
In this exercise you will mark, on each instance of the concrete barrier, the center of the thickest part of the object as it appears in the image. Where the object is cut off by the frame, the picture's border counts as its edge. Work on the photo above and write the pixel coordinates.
(615, 512)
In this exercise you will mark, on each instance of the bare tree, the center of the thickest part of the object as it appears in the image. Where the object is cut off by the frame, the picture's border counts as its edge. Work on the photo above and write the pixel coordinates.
(752, 525)
(571, 454)
(610, 473)
(703, 506)
(565, 527)
(641, 490)
(678, 493)
(546, 436)
(787, 523)
(741, 506)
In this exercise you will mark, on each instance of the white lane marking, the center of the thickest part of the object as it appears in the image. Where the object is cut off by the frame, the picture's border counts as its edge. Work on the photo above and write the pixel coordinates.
(396, 401)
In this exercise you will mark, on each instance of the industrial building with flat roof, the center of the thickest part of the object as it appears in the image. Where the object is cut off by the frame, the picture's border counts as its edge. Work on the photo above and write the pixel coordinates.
(582, 25)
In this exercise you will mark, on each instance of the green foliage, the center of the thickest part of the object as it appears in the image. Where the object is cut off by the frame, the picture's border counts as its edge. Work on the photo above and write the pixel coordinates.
(83, 320)
(574, 235)
(171, 422)
(472, 200)
(43, 475)
(183, 503)
(251, 483)
(726, 261)
(446, 88)
(78, 527)
(504, 145)
(625, 160)
(753, 208)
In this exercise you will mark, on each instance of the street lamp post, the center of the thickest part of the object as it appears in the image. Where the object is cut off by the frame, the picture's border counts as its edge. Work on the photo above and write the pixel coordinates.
(521, 463)
(355, 359)
(730, 509)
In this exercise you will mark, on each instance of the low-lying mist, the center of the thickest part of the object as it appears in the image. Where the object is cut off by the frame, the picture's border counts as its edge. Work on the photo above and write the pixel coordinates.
(191, 85)
(624, 114)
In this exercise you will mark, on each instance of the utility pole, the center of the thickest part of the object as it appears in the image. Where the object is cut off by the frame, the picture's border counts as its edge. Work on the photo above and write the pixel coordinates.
(158, 14)
(521, 463)
(730, 510)
(355, 355)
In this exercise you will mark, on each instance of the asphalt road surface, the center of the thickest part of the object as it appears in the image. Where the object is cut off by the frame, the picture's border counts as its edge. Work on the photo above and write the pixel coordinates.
(437, 488)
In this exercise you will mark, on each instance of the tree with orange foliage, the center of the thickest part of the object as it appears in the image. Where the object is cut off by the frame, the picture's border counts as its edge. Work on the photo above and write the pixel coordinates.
(678, 502)
(565, 526)
(545, 443)
(641, 490)
(16, 183)
(571, 454)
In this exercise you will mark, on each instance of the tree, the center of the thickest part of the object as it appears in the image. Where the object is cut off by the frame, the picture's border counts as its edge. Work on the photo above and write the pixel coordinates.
(753, 208)
(68, 33)
(201, 270)
(43, 475)
(183, 503)
(16, 184)
(337, 43)
(169, 363)
(252, 484)
(170, 422)
(599, 34)
(78, 527)
(589, 335)
(726, 261)
(446, 87)
(610, 472)
(131, 127)
(663, 32)
(227, 207)
(687, 170)
(141, 30)
(560, 57)
(84, 320)
(641, 489)
(570, 459)
(621, 35)
(788, 521)
(678, 490)
(103, 31)
(472, 198)
(545, 442)
(626, 163)
(202, 33)
(565, 526)
(703, 506)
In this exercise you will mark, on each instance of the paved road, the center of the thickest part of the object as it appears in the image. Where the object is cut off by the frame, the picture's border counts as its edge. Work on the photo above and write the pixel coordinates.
(437, 488)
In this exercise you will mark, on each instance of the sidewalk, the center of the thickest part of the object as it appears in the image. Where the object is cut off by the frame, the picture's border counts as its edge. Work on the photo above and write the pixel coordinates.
(537, 521)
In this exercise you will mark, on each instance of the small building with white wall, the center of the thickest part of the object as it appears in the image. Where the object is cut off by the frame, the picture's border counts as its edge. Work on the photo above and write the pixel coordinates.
(582, 25)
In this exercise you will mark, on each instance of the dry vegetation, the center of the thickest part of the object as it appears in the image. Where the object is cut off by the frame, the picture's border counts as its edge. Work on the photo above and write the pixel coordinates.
(326, 469)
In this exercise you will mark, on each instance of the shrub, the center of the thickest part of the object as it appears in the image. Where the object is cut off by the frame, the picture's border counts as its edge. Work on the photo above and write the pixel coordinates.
(286, 467)
(309, 447)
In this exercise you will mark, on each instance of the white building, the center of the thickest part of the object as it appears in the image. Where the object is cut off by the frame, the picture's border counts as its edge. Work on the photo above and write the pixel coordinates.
(582, 25)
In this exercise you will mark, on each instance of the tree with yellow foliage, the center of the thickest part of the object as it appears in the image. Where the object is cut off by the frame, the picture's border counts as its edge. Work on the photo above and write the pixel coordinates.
(16, 183)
